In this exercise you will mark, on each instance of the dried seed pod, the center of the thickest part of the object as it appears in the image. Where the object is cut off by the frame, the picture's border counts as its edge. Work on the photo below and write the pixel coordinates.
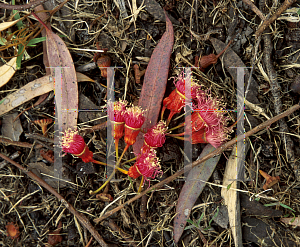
(210, 59)
(103, 62)
(43, 123)
(138, 73)
(12, 230)
(270, 181)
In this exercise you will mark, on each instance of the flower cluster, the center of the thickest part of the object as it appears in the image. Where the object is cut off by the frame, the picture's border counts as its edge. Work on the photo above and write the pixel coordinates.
(147, 165)
(129, 118)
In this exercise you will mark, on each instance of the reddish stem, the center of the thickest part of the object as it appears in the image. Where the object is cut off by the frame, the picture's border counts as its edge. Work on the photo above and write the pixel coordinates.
(40, 21)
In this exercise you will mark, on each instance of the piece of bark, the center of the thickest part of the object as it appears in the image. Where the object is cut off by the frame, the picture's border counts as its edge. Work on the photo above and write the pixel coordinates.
(231, 197)
(256, 208)
(257, 231)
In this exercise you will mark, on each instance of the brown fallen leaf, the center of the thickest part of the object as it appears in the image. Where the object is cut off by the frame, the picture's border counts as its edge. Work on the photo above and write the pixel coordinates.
(31, 90)
(7, 71)
(11, 129)
(55, 238)
(66, 91)
(104, 197)
(26, 93)
(155, 81)
(292, 221)
(191, 190)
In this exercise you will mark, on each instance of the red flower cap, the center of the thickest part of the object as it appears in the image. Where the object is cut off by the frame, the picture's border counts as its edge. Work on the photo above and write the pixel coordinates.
(155, 136)
(134, 119)
(147, 165)
(74, 144)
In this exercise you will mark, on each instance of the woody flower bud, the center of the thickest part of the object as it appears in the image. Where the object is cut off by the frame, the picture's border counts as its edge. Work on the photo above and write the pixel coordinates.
(134, 119)
(155, 136)
(147, 165)
(176, 100)
(74, 144)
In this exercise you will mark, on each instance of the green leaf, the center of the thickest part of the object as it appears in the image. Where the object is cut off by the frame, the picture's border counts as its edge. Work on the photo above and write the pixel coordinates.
(285, 206)
(35, 41)
(228, 186)
(190, 221)
(298, 12)
(189, 227)
(2, 41)
(19, 58)
(198, 222)
(293, 218)
(215, 215)
(17, 17)
(271, 204)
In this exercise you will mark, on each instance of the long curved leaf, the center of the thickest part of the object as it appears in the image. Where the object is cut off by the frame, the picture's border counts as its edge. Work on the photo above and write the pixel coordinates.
(155, 81)
(191, 190)
(66, 91)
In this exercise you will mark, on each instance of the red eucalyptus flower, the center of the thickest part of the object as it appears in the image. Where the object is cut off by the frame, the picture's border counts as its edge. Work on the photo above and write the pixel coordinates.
(208, 113)
(74, 144)
(147, 165)
(208, 122)
(155, 136)
(176, 100)
(116, 115)
(134, 119)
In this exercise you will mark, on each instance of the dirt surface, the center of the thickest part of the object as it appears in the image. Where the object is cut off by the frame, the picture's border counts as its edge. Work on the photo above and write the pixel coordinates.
(129, 37)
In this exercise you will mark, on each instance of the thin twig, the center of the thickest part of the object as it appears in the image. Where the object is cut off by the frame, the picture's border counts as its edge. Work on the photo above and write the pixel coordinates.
(198, 162)
(83, 220)
(143, 208)
(22, 7)
(111, 224)
(255, 9)
(6, 141)
(266, 23)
